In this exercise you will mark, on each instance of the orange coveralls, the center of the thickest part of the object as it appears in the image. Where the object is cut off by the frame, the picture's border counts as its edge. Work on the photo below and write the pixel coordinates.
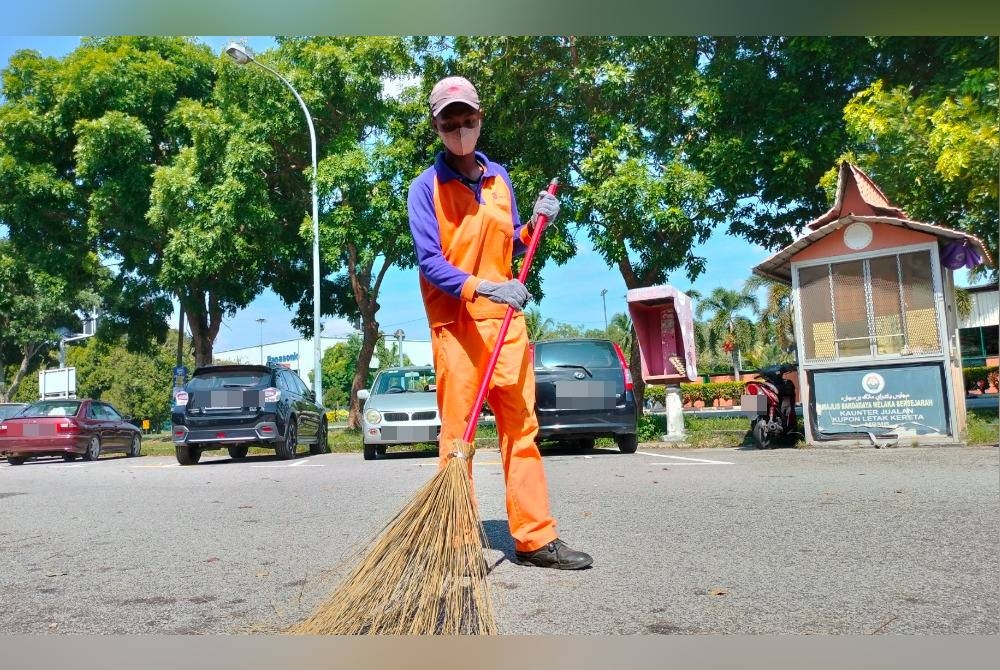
(464, 233)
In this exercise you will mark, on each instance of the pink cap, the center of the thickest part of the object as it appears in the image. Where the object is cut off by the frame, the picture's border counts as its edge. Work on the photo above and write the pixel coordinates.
(453, 89)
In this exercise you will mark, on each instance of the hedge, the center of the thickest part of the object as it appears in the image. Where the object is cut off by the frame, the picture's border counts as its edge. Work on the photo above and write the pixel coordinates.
(975, 374)
(707, 393)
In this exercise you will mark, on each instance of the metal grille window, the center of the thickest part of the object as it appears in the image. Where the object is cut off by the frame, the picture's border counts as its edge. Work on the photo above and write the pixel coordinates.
(874, 307)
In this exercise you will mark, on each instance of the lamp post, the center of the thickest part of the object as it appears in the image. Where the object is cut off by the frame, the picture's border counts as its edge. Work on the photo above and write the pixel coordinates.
(604, 302)
(400, 336)
(242, 56)
(260, 322)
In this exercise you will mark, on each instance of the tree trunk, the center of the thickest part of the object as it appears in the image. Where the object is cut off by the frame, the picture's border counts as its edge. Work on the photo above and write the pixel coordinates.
(736, 366)
(204, 321)
(638, 383)
(369, 339)
(28, 352)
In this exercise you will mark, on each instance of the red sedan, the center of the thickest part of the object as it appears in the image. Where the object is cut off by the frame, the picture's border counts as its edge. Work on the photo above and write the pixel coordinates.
(67, 428)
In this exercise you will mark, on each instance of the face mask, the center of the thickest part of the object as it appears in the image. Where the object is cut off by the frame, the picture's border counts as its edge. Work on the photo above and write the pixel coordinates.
(461, 141)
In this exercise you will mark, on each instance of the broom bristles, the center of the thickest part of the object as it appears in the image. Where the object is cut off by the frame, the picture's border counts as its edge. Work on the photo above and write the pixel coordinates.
(425, 573)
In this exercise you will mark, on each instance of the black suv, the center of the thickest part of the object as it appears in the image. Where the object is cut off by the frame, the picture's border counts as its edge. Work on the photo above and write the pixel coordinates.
(236, 406)
(583, 390)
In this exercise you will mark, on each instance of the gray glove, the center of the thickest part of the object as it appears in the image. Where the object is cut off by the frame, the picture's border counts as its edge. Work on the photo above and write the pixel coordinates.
(546, 204)
(511, 292)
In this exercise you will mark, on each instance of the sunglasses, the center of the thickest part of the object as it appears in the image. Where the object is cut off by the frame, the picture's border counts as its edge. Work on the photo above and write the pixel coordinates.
(451, 126)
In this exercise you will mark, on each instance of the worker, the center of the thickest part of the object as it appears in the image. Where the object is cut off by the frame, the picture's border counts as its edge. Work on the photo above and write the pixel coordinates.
(466, 227)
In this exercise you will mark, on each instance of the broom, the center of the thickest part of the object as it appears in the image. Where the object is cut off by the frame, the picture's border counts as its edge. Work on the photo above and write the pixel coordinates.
(424, 573)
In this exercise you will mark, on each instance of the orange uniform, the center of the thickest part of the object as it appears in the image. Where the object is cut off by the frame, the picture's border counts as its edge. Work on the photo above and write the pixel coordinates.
(465, 232)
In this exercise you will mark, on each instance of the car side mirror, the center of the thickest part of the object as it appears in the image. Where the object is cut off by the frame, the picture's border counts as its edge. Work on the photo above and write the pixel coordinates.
(127, 419)
(363, 394)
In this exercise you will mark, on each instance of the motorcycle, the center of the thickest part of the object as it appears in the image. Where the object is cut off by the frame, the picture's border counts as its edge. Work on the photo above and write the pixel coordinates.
(769, 401)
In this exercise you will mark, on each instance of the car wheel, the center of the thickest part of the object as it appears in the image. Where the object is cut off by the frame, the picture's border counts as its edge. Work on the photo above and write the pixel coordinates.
(369, 452)
(69, 457)
(93, 449)
(584, 443)
(16, 460)
(761, 438)
(238, 452)
(322, 444)
(380, 449)
(187, 455)
(136, 446)
(286, 448)
(627, 444)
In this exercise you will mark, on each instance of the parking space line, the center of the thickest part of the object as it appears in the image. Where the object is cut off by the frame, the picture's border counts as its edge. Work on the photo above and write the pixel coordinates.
(292, 465)
(694, 461)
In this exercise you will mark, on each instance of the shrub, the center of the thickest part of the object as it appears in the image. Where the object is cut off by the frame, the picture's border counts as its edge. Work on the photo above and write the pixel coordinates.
(651, 427)
(976, 374)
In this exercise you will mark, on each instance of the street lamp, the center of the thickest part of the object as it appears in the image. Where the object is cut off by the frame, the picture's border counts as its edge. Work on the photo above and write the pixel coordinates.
(604, 292)
(260, 322)
(400, 336)
(242, 56)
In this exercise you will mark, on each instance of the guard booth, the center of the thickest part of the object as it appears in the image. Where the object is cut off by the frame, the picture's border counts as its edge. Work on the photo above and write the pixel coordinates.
(875, 320)
(664, 330)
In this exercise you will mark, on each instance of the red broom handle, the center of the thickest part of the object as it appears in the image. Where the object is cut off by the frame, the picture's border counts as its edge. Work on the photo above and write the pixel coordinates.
(536, 235)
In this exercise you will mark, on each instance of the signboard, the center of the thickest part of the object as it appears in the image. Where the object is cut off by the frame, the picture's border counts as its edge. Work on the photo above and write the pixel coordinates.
(57, 383)
(904, 400)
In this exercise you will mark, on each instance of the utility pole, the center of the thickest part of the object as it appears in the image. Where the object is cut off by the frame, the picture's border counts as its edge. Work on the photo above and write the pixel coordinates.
(260, 342)
(400, 336)
(604, 301)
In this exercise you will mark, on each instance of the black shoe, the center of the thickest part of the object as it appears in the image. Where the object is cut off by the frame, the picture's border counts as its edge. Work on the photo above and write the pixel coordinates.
(556, 555)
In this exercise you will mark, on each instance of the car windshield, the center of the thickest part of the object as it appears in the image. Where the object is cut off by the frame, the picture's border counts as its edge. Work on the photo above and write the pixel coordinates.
(52, 408)
(210, 381)
(404, 381)
(589, 354)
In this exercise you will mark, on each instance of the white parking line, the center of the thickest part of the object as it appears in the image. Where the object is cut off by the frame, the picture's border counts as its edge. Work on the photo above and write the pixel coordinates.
(694, 461)
(292, 465)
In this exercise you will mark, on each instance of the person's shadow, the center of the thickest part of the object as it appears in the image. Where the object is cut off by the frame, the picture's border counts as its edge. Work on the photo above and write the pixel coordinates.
(498, 536)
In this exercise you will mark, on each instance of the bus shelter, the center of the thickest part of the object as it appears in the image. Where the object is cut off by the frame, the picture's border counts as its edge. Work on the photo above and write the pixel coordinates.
(875, 320)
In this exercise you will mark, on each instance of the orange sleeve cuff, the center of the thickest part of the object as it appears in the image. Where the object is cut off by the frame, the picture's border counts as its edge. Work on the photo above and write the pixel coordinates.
(469, 287)
(524, 235)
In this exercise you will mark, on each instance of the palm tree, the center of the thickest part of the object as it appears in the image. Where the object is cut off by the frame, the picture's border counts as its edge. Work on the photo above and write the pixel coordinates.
(538, 328)
(776, 313)
(620, 330)
(736, 332)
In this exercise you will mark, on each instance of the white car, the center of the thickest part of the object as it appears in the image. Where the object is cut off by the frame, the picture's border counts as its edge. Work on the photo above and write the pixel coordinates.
(400, 408)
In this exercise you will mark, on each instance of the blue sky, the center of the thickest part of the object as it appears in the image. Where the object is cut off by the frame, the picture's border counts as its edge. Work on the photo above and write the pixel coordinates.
(572, 291)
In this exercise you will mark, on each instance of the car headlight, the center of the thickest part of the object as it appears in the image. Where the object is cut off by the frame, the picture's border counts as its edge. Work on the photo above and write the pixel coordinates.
(373, 416)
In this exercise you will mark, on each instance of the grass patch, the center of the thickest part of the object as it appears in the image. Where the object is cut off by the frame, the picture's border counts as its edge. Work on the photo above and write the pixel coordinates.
(983, 427)
(341, 441)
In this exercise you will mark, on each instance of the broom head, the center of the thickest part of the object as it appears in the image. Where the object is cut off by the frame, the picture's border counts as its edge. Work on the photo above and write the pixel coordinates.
(424, 573)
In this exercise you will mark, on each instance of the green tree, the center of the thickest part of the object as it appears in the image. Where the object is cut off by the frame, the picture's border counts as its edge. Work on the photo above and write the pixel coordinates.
(727, 325)
(138, 383)
(339, 364)
(538, 327)
(770, 116)
(33, 305)
(949, 141)
(370, 149)
(776, 312)
(620, 330)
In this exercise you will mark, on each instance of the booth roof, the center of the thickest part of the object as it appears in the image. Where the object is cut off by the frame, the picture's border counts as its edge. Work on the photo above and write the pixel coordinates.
(779, 265)
(858, 199)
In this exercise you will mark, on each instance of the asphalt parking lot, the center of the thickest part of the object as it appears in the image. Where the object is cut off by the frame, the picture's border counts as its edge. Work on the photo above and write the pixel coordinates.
(827, 541)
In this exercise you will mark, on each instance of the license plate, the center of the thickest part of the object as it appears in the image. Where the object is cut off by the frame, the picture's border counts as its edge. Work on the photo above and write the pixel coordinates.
(225, 400)
(585, 394)
(753, 404)
(410, 433)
